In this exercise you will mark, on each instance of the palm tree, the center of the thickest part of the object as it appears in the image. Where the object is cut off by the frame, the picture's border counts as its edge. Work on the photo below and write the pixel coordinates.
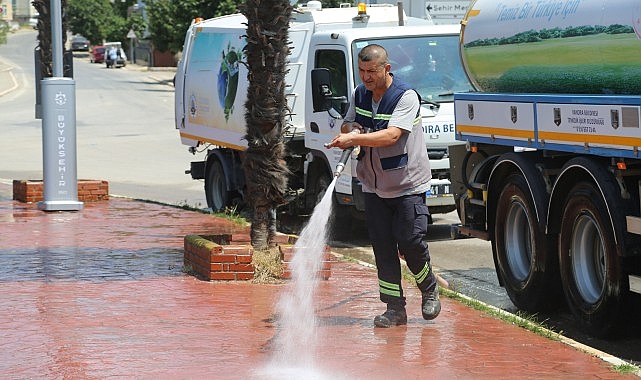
(44, 34)
(266, 111)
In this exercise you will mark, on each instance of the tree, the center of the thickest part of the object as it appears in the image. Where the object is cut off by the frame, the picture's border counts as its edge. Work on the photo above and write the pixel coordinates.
(334, 3)
(44, 34)
(161, 25)
(169, 20)
(91, 18)
(4, 30)
(103, 20)
(266, 110)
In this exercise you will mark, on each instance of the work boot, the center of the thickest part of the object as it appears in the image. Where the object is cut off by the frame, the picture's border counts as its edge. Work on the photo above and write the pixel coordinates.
(391, 317)
(431, 306)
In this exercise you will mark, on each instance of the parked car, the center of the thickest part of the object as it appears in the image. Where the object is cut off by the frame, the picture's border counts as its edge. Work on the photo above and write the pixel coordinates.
(79, 43)
(120, 60)
(14, 26)
(33, 22)
(97, 54)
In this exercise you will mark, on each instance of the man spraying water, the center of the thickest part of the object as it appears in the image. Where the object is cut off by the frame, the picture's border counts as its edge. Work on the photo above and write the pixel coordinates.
(384, 120)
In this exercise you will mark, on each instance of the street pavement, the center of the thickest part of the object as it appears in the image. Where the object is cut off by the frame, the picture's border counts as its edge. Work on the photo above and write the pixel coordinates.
(101, 293)
(8, 81)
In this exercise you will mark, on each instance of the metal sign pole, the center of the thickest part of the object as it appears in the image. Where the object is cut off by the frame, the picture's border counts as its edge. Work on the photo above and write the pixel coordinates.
(59, 129)
(132, 37)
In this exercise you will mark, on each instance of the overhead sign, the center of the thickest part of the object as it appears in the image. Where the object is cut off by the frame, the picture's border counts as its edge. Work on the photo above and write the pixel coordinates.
(447, 8)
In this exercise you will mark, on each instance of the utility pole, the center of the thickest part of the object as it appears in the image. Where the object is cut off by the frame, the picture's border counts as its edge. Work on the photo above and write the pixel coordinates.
(59, 128)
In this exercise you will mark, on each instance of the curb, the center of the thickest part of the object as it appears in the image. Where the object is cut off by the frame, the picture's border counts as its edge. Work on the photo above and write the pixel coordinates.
(610, 359)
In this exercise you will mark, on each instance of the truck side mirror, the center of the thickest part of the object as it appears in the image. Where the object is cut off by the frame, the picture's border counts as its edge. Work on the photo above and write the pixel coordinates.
(322, 95)
(321, 90)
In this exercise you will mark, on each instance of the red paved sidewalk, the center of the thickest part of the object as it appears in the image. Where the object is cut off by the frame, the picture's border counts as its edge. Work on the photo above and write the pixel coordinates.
(100, 294)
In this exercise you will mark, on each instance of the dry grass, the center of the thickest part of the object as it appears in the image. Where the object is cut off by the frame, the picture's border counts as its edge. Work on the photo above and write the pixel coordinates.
(268, 267)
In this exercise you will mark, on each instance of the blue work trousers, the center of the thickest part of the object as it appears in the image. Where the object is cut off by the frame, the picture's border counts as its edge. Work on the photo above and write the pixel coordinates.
(398, 226)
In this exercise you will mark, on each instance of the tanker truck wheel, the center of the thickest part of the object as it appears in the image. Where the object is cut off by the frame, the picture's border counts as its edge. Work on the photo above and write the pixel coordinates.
(218, 197)
(591, 270)
(521, 250)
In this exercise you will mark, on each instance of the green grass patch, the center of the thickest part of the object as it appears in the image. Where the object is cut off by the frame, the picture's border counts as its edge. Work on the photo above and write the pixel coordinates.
(626, 368)
(523, 320)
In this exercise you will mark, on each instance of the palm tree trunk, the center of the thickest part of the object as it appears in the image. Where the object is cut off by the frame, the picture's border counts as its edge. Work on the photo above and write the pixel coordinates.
(43, 7)
(266, 111)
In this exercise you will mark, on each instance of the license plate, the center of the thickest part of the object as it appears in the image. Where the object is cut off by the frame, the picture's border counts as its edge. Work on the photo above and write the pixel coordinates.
(438, 191)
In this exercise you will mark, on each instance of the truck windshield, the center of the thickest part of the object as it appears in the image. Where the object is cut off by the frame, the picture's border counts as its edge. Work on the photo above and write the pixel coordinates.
(430, 64)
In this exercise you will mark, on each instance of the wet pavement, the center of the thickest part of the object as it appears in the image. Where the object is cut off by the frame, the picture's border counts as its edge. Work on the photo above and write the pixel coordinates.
(100, 293)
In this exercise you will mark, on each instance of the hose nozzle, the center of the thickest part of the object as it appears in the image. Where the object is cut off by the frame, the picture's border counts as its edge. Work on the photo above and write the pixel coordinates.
(343, 161)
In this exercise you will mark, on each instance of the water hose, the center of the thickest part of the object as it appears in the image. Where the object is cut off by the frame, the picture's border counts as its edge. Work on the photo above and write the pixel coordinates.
(343, 161)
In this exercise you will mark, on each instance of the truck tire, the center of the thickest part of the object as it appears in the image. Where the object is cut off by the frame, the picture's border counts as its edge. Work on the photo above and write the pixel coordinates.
(520, 246)
(218, 197)
(591, 269)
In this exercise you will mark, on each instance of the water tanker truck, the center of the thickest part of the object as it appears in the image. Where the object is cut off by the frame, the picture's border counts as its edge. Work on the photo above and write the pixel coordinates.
(550, 171)
(211, 89)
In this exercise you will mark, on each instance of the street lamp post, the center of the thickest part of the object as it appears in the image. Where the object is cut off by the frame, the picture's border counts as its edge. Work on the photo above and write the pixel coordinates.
(60, 179)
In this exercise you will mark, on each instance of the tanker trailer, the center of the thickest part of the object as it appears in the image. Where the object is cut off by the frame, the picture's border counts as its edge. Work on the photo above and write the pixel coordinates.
(550, 172)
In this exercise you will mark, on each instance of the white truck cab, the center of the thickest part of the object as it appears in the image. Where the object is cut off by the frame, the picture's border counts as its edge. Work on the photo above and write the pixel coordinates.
(211, 89)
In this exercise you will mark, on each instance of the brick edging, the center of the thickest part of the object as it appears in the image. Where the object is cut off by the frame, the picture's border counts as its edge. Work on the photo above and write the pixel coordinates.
(31, 191)
(213, 261)
(228, 257)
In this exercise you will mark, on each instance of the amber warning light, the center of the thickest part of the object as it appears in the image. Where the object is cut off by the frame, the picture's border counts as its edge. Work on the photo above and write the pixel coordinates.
(362, 15)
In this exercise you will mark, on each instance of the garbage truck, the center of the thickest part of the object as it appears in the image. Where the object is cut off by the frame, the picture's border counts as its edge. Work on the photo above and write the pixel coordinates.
(211, 89)
(550, 171)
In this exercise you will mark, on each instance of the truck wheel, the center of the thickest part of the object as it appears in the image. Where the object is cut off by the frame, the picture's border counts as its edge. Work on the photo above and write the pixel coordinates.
(591, 270)
(520, 247)
(218, 197)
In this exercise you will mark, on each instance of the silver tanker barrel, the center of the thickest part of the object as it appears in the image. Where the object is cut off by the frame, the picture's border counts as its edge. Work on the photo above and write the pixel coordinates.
(553, 46)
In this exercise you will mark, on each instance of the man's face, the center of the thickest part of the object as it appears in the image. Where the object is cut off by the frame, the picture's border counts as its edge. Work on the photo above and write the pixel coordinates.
(373, 74)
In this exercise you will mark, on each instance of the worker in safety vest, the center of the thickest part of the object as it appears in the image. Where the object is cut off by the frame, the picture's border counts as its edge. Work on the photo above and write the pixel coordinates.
(394, 169)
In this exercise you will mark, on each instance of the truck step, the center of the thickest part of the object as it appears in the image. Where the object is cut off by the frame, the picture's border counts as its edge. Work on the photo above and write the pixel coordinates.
(478, 185)
(633, 224)
(471, 232)
(635, 283)
(478, 202)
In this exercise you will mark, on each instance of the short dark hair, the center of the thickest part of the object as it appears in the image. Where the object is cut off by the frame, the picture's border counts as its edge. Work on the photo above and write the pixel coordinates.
(373, 52)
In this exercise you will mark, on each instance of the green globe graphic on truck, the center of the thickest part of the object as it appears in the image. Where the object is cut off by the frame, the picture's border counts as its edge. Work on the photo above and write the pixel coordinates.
(228, 79)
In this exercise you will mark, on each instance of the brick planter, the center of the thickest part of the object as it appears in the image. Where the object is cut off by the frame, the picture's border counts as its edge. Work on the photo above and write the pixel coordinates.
(228, 257)
(287, 254)
(219, 257)
(31, 191)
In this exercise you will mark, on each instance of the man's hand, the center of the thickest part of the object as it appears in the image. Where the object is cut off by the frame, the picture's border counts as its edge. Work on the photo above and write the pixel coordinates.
(350, 126)
(344, 140)
(382, 138)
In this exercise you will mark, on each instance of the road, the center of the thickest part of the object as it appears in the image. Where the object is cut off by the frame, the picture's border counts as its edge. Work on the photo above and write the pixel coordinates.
(126, 135)
(124, 126)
